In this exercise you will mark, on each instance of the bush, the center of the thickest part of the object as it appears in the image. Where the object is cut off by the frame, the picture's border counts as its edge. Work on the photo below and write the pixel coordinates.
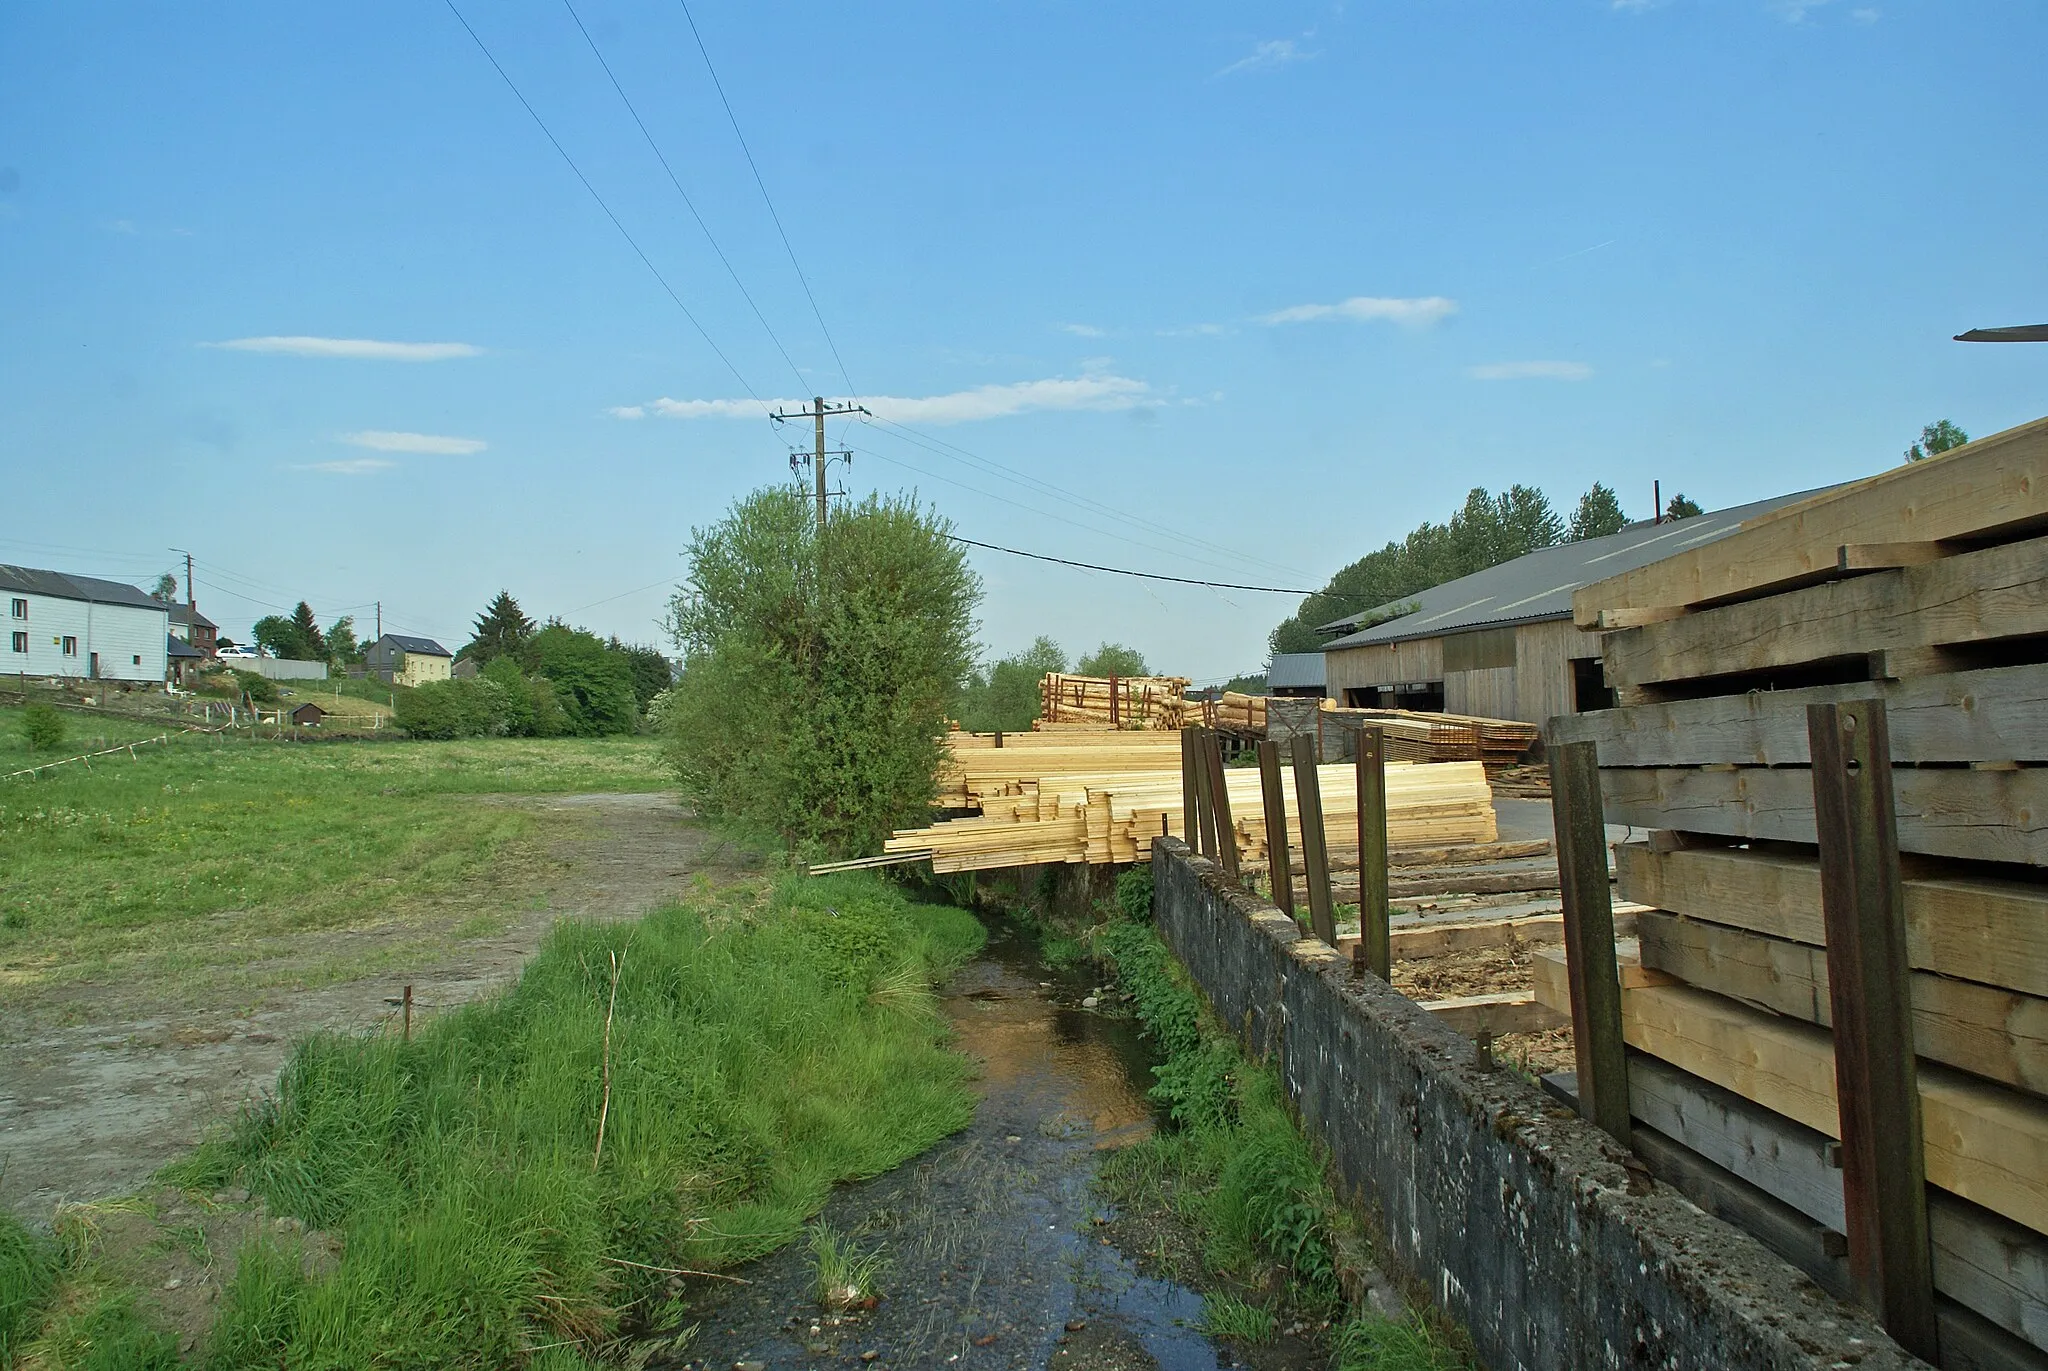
(43, 728)
(592, 684)
(531, 708)
(476, 708)
(1134, 894)
(260, 689)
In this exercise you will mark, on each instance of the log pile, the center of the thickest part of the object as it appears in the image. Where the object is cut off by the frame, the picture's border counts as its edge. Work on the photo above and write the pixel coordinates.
(1132, 702)
(1105, 815)
(1930, 584)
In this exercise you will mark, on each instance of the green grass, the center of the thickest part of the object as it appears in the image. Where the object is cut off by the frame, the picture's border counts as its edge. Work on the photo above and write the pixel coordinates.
(135, 859)
(843, 1276)
(28, 1268)
(762, 1048)
(1227, 1316)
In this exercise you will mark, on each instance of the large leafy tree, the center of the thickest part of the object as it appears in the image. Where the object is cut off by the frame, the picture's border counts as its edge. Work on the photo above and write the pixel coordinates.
(816, 679)
(1004, 694)
(1113, 659)
(651, 671)
(296, 637)
(342, 647)
(502, 630)
(1599, 514)
(1938, 437)
(593, 685)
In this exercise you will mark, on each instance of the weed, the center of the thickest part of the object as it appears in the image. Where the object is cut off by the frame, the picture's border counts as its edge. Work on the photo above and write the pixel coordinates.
(843, 1276)
(1058, 953)
(1134, 894)
(28, 1268)
(1369, 1343)
(1227, 1316)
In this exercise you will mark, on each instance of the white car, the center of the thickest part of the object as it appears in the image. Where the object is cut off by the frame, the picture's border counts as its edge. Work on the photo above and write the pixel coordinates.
(236, 654)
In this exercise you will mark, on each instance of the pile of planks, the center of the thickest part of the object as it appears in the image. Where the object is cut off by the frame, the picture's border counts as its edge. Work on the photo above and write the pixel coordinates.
(1110, 811)
(1926, 588)
(1133, 702)
(978, 771)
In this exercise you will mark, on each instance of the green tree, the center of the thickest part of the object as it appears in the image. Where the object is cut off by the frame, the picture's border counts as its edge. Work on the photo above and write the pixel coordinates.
(296, 637)
(42, 728)
(1487, 531)
(813, 697)
(1936, 438)
(1599, 514)
(1113, 659)
(1005, 695)
(593, 686)
(1678, 507)
(502, 630)
(166, 592)
(531, 707)
(651, 671)
(342, 647)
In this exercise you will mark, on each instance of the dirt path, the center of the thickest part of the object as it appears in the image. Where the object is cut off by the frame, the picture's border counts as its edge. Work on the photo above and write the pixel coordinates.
(104, 1083)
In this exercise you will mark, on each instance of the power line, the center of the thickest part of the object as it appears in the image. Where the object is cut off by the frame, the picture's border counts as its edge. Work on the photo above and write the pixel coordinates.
(673, 180)
(1121, 571)
(623, 233)
(766, 198)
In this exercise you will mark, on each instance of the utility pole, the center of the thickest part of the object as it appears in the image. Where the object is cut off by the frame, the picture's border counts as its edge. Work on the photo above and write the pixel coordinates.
(380, 620)
(818, 413)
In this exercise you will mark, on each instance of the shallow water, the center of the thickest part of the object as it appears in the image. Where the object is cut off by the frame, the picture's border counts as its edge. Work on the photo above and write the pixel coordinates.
(991, 1238)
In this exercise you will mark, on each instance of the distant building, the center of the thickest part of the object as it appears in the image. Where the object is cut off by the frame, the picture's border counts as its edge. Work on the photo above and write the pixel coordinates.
(1500, 643)
(182, 660)
(465, 669)
(1296, 673)
(308, 714)
(80, 626)
(400, 659)
(188, 625)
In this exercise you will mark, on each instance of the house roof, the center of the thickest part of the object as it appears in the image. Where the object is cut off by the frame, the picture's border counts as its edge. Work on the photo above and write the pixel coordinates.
(178, 648)
(407, 643)
(62, 586)
(1295, 671)
(1540, 585)
(189, 614)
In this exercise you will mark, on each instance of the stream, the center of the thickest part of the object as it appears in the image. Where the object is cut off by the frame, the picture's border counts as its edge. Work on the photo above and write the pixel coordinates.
(995, 1247)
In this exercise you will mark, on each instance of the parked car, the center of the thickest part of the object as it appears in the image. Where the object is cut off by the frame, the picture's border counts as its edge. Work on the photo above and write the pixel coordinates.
(235, 654)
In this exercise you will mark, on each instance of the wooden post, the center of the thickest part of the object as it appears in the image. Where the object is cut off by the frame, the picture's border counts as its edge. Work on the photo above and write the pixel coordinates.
(1190, 817)
(1315, 848)
(1375, 946)
(1884, 1177)
(1279, 871)
(1591, 970)
(1115, 719)
(1219, 804)
(408, 1013)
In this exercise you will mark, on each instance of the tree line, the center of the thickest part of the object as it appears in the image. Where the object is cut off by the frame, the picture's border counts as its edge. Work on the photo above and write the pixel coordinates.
(1004, 695)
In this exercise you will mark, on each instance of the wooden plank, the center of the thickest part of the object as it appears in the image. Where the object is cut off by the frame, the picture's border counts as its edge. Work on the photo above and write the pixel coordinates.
(1315, 856)
(1509, 1011)
(1995, 1033)
(1989, 484)
(1375, 953)
(1219, 802)
(1884, 1176)
(1989, 931)
(1884, 556)
(1771, 1177)
(1983, 1141)
(1589, 935)
(1608, 620)
(1999, 592)
(1992, 816)
(1205, 805)
(1279, 871)
(1998, 714)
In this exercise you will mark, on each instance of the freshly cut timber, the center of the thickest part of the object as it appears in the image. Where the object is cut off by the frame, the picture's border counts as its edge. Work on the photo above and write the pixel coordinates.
(1104, 817)
(1135, 702)
(1418, 736)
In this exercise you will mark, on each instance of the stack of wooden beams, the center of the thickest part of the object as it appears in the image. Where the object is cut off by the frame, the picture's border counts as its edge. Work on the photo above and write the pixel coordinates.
(1444, 737)
(1926, 587)
(1108, 816)
(1134, 702)
(978, 771)
(1231, 712)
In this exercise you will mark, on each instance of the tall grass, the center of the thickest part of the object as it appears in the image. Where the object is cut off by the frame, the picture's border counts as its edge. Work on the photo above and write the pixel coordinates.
(752, 1065)
(28, 1267)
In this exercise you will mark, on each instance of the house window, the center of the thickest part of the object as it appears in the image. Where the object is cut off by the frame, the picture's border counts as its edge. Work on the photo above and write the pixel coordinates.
(137, 659)
(21, 642)
(21, 609)
(70, 646)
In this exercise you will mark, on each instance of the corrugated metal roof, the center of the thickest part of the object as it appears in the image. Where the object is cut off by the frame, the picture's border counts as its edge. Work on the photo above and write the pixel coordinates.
(1540, 585)
(1295, 671)
(60, 585)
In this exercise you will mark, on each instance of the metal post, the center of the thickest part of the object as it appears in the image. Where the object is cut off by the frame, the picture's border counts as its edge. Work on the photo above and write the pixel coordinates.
(1315, 848)
(1279, 871)
(1205, 810)
(1375, 939)
(1219, 804)
(1190, 795)
(1590, 964)
(1884, 1176)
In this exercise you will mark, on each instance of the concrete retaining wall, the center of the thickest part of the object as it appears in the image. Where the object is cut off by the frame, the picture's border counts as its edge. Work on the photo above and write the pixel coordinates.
(1516, 1215)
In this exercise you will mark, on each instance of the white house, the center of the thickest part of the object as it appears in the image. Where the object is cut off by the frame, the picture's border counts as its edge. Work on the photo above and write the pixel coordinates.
(59, 625)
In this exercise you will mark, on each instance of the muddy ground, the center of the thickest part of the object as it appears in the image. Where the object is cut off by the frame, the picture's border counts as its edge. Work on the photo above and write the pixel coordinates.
(104, 1083)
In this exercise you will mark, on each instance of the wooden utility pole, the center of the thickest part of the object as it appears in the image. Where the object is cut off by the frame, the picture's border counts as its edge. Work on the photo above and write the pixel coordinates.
(818, 413)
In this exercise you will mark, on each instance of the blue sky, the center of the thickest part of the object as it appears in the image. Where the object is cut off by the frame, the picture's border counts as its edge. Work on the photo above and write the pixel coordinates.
(1273, 283)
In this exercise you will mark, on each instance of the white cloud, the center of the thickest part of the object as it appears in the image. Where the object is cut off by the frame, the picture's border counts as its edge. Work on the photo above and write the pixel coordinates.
(1094, 392)
(1081, 330)
(1424, 310)
(352, 466)
(1531, 371)
(1274, 52)
(366, 349)
(1192, 331)
(384, 440)
(1865, 16)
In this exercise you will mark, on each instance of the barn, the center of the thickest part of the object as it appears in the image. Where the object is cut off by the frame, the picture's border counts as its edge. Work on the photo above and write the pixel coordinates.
(1500, 642)
(57, 624)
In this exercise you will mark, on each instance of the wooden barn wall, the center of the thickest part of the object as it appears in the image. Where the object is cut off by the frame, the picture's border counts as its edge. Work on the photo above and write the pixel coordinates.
(1383, 664)
(1489, 691)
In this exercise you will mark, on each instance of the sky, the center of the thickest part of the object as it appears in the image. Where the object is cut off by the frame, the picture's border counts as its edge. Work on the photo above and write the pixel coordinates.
(1226, 292)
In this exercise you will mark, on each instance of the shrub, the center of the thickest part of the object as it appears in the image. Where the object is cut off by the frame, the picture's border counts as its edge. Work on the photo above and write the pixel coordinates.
(475, 708)
(1134, 894)
(261, 689)
(43, 728)
(592, 684)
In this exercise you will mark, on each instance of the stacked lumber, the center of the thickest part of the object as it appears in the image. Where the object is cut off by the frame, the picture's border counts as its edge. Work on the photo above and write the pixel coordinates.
(1102, 817)
(1926, 587)
(1417, 736)
(1134, 702)
(977, 771)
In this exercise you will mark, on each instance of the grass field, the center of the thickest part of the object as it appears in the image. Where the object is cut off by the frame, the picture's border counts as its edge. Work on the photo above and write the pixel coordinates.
(179, 860)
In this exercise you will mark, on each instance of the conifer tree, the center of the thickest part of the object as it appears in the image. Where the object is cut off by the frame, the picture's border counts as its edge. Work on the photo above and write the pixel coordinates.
(1599, 514)
(502, 630)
